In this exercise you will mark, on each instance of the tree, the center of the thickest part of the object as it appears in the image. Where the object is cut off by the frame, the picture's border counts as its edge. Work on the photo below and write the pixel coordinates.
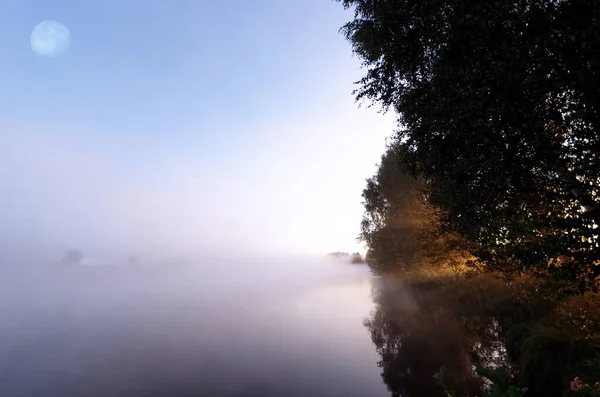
(389, 225)
(356, 259)
(499, 116)
(400, 226)
(133, 261)
(72, 257)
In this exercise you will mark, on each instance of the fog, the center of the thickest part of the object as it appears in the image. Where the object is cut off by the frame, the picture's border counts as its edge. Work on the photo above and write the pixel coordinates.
(217, 299)
(212, 325)
(32, 285)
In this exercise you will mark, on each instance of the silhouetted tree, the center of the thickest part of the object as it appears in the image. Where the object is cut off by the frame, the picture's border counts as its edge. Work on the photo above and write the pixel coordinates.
(133, 260)
(72, 257)
(499, 114)
(338, 254)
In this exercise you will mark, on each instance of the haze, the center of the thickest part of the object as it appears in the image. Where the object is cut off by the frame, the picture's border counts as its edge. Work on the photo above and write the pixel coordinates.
(219, 145)
(212, 327)
(190, 128)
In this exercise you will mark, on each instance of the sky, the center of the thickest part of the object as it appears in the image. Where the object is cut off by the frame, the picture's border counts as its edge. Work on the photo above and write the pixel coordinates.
(184, 126)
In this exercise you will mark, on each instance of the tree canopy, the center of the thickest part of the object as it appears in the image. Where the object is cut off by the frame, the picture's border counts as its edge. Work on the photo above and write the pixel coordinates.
(400, 226)
(499, 118)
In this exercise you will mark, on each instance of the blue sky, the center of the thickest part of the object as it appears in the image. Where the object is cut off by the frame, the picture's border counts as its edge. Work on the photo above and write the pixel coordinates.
(184, 125)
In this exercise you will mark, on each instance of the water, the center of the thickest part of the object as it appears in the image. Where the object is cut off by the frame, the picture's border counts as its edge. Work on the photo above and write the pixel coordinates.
(232, 328)
(416, 333)
(252, 330)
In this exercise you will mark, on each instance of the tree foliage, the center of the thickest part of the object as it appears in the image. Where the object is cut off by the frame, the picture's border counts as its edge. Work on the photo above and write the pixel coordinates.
(401, 228)
(389, 225)
(499, 117)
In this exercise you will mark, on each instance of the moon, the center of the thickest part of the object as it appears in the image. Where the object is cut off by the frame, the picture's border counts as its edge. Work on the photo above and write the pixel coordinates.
(50, 38)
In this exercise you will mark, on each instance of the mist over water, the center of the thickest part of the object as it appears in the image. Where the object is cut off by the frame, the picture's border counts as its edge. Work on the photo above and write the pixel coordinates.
(215, 326)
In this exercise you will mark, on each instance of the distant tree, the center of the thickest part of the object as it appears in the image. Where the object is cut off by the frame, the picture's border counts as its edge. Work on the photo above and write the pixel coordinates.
(339, 254)
(72, 257)
(133, 260)
(353, 258)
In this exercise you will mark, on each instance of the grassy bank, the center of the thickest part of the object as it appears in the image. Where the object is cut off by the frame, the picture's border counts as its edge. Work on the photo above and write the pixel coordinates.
(551, 337)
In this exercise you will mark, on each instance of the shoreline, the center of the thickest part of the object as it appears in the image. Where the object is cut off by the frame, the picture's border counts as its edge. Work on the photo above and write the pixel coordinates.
(548, 338)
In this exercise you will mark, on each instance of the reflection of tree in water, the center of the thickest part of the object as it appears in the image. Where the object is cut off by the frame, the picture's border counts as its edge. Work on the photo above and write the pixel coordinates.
(415, 339)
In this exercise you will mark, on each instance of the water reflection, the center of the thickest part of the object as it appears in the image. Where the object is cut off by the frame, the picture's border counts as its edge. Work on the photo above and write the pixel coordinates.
(415, 336)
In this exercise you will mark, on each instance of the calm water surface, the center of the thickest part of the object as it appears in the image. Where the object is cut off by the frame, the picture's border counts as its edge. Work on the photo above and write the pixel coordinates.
(139, 332)
(231, 329)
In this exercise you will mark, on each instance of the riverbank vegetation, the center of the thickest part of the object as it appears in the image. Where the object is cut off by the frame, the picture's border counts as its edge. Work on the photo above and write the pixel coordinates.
(487, 199)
